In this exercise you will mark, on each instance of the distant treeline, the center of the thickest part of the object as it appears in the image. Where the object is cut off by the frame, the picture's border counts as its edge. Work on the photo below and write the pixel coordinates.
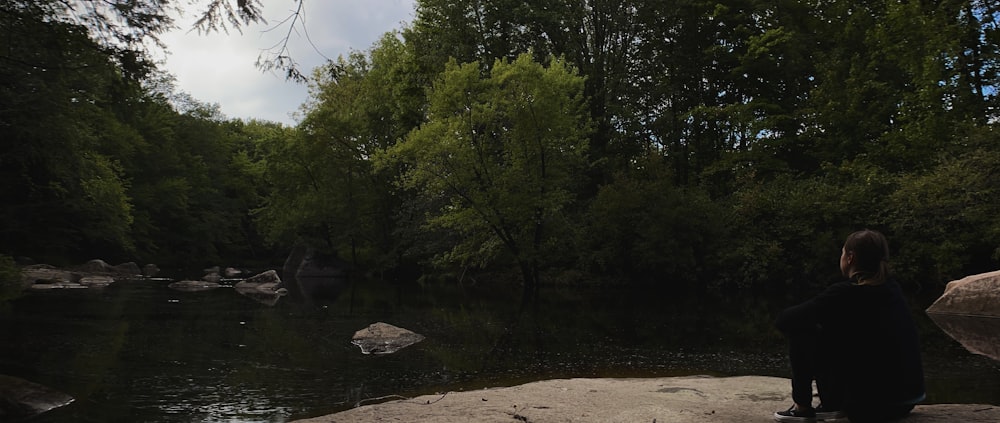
(693, 143)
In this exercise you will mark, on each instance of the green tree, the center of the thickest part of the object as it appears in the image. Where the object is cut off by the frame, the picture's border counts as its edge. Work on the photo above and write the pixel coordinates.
(498, 159)
(359, 106)
(642, 226)
(63, 187)
(946, 218)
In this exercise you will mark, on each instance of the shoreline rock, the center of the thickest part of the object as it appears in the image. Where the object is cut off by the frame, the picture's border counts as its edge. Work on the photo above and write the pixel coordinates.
(974, 295)
(663, 400)
(21, 399)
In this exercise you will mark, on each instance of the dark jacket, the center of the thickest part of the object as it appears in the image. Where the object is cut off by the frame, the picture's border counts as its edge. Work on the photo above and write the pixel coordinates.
(871, 335)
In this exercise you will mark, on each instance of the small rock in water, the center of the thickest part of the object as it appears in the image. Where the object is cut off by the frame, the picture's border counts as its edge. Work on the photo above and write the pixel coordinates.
(383, 338)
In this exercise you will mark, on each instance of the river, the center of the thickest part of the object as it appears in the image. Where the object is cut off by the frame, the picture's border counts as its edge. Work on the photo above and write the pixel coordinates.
(140, 351)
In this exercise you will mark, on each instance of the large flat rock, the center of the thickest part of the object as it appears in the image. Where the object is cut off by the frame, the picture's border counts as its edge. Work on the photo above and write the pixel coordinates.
(662, 400)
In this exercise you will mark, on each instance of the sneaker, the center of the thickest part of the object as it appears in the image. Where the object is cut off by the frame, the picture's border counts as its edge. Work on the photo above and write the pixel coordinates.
(824, 414)
(793, 415)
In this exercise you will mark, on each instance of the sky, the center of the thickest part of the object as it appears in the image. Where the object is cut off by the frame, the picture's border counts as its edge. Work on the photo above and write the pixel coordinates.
(219, 68)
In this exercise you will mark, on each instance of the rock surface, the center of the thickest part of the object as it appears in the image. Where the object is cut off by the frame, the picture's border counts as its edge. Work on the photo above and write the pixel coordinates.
(92, 274)
(21, 399)
(46, 274)
(975, 295)
(744, 399)
(383, 338)
(99, 281)
(262, 288)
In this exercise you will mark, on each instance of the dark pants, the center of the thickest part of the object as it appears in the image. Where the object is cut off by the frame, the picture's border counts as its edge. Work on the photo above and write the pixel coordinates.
(812, 360)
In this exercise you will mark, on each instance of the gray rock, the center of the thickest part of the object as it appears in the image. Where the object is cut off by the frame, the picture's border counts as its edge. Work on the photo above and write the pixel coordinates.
(232, 272)
(97, 266)
(262, 288)
(98, 281)
(383, 338)
(127, 269)
(691, 399)
(976, 295)
(43, 273)
(193, 286)
(20, 399)
(212, 277)
(269, 276)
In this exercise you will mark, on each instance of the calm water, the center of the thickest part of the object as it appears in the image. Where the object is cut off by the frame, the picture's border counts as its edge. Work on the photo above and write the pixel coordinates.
(139, 351)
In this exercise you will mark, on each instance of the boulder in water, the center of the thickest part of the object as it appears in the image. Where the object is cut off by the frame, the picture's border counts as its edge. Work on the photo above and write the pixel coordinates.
(264, 287)
(975, 295)
(20, 399)
(383, 338)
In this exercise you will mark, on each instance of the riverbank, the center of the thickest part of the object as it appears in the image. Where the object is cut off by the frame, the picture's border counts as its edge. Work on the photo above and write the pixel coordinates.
(664, 400)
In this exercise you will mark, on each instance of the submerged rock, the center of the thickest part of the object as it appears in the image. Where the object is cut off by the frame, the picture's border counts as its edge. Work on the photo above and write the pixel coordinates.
(20, 399)
(383, 338)
(975, 295)
(193, 286)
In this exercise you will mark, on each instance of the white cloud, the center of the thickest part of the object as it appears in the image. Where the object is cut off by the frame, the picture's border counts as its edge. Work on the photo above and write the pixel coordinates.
(219, 68)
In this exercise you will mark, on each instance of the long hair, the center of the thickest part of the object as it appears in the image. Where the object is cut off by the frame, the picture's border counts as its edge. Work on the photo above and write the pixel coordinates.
(871, 255)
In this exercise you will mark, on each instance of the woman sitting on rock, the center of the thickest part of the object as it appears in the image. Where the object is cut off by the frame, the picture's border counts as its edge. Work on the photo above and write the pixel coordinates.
(857, 341)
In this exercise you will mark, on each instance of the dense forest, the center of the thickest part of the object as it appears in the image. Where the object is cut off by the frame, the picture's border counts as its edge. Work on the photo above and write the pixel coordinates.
(693, 143)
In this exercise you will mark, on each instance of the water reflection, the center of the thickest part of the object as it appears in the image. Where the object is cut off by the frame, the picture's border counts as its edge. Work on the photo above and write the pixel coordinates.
(139, 351)
(979, 335)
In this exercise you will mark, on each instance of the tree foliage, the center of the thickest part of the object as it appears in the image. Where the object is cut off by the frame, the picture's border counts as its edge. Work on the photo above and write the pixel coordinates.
(706, 143)
(498, 157)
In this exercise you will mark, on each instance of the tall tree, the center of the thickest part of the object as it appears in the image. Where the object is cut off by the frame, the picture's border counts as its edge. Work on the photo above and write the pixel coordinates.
(63, 189)
(498, 158)
(359, 106)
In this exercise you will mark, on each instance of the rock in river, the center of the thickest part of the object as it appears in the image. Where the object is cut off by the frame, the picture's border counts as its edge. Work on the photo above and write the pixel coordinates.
(20, 399)
(262, 287)
(383, 338)
(976, 295)
(193, 286)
